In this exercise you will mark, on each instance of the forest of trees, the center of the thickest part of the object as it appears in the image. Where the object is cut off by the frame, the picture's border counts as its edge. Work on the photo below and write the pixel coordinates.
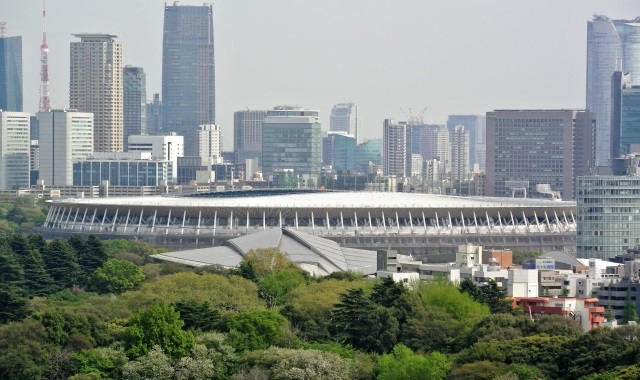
(90, 309)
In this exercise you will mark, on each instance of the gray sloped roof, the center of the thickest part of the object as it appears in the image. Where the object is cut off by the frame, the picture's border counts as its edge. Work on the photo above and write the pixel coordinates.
(225, 256)
(263, 239)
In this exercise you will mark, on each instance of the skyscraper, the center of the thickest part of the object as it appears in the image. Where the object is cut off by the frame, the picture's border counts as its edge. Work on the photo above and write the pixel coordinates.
(14, 150)
(432, 141)
(345, 117)
(396, 148)
(476, 125)
(11, 74)
(154, 116)
(188, 71)
(209, 141)
(619, 82)
(96, 86)
(134, 102)
(459, 153)
(247, 133)
(612, 45)
(340, 150)
(630, 120)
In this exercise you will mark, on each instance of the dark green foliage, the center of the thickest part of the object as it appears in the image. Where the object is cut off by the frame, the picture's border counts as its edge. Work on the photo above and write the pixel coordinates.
(159, 325)
(11, 272)
(260, 329)
(276, 287)
(402, 364)
(104, 362)
(629, 313)
(116, 276)
(61, 263)
(37, 280)
(246, 270)
(25, 352)
(13, 306)
(197, 315)
(482, 370)
(491, 294)
(94, 256)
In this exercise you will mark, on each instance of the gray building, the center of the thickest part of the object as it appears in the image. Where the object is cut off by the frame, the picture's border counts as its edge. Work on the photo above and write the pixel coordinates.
(526, 148)
(134, 102)
(459, 153)
(188, 71)
(11, 74)
(14, 150)
(247, 133)
(396, 148)
(477, 127)
(291, 140)
(154, 116)
(345, 117)
(619, 82)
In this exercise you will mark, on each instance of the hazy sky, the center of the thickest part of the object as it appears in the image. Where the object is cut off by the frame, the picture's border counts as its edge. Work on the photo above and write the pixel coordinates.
(451, 56)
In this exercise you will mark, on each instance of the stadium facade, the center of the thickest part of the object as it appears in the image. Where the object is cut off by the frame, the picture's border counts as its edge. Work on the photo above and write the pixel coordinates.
(410, 222)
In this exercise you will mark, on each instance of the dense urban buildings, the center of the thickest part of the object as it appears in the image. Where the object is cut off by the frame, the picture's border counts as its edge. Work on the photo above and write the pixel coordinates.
(188, 71)
(11, 74)
(619, 82)
(612, 45)
(345, 117)
(247, 133)
(459, 153)
(368, 155)
(340, 149)
(291, 139)
(65, 137)
(154, 116)
(166, 147)
(122, 169)
(432, 141)
(134, 102)
(96, 86)
(209, 141)
(526, 148)
(396, 148)
(14, 150)
(476, 125)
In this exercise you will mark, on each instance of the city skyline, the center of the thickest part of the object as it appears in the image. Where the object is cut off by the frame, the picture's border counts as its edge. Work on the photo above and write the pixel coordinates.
(447, 72)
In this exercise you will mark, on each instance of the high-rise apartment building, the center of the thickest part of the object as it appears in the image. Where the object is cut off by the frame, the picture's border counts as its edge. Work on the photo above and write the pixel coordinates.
(96, 86)
(612, 45)
(134, 102)
(209, 141)
(14, 150)
(247, 133)
(291, 140)
(459, 153)
(345, 117)
(11, 74)
(432, 141)
(188, 71)
(167, 147)
(526, 148)
(396, 148)
(476, 125)
(154, 116)
(65, 137)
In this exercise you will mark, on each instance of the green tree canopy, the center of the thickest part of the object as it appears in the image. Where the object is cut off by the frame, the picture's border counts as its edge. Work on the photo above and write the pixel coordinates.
(61, 263)
(116, 276)
(260, 329)
(263, 261)
(275, 288)
(403, 364)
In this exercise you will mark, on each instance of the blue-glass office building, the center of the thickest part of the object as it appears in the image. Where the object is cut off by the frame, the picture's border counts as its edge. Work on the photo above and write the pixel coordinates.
(11, 74)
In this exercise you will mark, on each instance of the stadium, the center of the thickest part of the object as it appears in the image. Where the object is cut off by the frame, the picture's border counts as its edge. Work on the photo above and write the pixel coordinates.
(410, 222)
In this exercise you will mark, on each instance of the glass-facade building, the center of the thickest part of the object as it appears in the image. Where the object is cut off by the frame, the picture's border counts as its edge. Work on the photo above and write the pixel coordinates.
(630, 120)
(121, 172)
(608, 215)
(134, 102)
(477, 127)
(11, 74)
(247, 133)
(341, 150)
(368, 153)
(188, 71)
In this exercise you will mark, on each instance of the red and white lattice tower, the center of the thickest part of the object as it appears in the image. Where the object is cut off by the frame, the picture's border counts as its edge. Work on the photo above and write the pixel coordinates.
(45, 100)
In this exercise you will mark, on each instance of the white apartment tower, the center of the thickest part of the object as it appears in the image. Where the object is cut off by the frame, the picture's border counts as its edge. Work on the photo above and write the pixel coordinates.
(345, 117)
(96, 85)
(14, 150)
(396, 148)
(65, 137)
(168, 148)
(459, 153)
(209, 141)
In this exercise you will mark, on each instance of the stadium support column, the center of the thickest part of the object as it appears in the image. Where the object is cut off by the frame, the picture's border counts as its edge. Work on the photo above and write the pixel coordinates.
(450, 222)
(104, 217)
(397, 223)
(475, 222)
(464, 226)
(247, 230)
(411, 222)
(66, 222)
(424, 222)
(166, 229)
(75, 219)
(199, 219)
(297, 221)
(140, 220)
(500, 221)
(370, 224)
(231, 220)
(115, 219)
(437, 223)
(328, 223)
(355, 216)
(342, 222)
(264, 220)
(535, 215)
(546, 218)
(126, 222)
(313, 224)
(215, 222)
(83, 218)
(384, 223)
(184, 217)
(93, 219)
(153, 223)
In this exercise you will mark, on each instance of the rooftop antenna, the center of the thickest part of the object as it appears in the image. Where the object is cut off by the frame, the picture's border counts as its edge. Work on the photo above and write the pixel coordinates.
(45, 100)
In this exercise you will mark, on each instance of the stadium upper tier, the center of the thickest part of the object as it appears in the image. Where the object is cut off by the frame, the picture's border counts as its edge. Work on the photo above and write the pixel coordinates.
(350, 217)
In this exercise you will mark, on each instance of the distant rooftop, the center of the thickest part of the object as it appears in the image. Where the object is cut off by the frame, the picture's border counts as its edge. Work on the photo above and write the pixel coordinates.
(95, 36)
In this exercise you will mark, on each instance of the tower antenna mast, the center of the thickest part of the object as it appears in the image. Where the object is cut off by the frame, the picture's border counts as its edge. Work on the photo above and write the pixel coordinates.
(45, 100)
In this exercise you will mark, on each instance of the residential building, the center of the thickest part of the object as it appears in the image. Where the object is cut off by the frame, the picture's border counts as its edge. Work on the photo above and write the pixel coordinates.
(188, 71)
(247, 132)
(612, 45)
(209, 141)
(134, 102)
(121, 169)
(11, 74)
(476, 125)
(154, 116)
(291, 140)
(396, 148)
(630, 120)
(416, 164)
(65, 137)
(14, 150)
(459, 153)
(164, 148)
(585, 311)
(345, 117)
(432, 141)
(96, 86)
(527, 148)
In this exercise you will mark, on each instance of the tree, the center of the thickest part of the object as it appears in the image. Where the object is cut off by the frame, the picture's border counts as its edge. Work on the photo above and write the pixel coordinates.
(482, 370)
(61, 263)
(24, 350)
(282, 363)
(155, 365)
(264, 261)
(403, 364)
(105, 362)
(496, 298)
(37, 280)
(467, 286)
(352, 317)
(259, 329)
(13, 306)
(116, 276)
(629, 313)
(157, 325)
(276, 287)
(94, 254)
(197, 315)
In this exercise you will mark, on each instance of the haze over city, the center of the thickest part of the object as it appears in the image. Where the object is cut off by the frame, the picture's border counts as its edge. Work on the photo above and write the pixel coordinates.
(451, 57)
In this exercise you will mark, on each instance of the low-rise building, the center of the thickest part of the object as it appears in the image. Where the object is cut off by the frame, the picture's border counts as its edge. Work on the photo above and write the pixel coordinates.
(585, 311)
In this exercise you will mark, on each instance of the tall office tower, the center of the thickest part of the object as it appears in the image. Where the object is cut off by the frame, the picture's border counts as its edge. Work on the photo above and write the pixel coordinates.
(528, 148)
(134, 102)
(209, 141)
(630, 120)
(168, 147)
(619, 81)
(459, 153)
(65, 137)
(396, 148)
(291, 140)
(14, 150)
(432, 142)
(154, 116)
(345, 117)
(247, 133)
(96, 86)
(340, 149)
(476, 125)
(188, 71)
(368, 155)
(11, 74)
(34, 131)
(612, 45)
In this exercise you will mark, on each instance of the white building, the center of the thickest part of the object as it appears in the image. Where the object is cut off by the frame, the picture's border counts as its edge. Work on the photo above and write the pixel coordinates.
(416, 164)
(168, 147)
(396, 148)
(209, 141)
(96, 85)
(459, 153)
(345, 117)
(14, 150)
(65, 137)
(523, 283)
